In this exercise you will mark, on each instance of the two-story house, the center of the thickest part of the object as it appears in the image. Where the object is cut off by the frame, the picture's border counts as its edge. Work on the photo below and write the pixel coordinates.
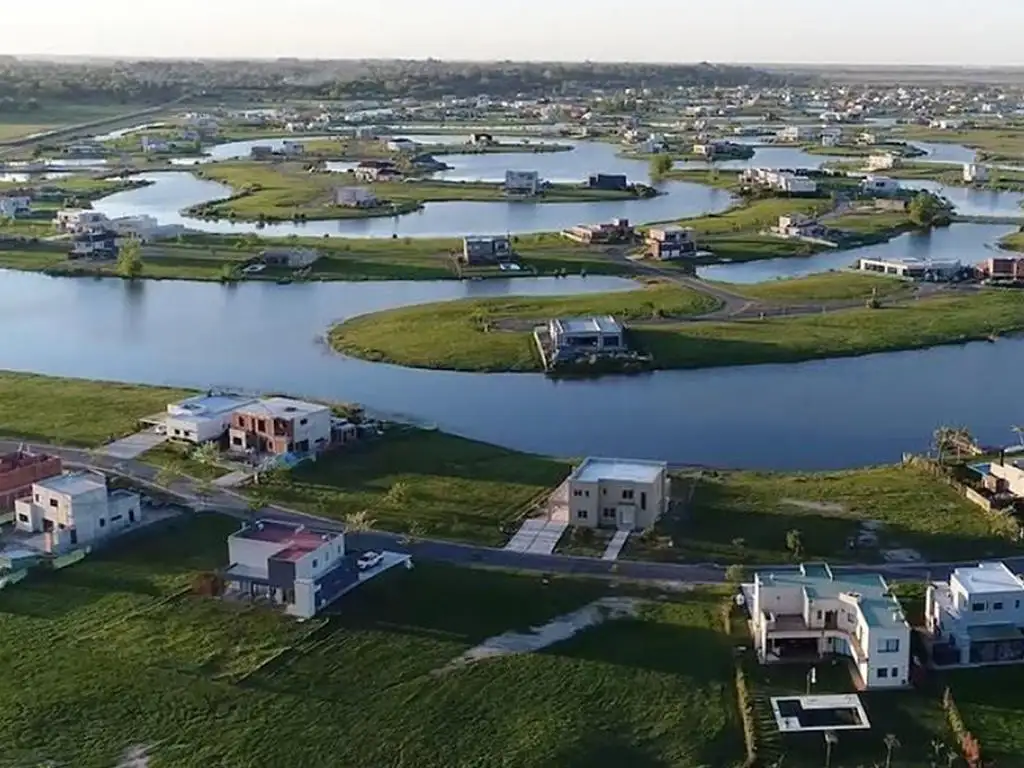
(75, 509)
(293, 566)
(977, 617)
(279, 425)
(616, 493)
(806, 613)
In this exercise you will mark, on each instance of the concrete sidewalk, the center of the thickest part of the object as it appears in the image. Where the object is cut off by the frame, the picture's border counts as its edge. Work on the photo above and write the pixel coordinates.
(537, 536)
(615, 546)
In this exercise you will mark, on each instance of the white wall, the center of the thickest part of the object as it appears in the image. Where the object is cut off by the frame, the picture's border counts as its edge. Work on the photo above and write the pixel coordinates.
(252, 553)
(317, 427)
(325, 557)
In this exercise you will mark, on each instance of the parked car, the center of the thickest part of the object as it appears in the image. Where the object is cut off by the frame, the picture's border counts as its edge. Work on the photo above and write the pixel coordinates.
(369, 560)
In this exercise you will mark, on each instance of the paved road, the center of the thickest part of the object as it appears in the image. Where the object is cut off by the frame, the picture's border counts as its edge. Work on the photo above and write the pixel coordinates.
(233, 504)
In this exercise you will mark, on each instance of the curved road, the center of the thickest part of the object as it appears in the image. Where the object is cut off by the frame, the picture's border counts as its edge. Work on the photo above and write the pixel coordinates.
(236, 505)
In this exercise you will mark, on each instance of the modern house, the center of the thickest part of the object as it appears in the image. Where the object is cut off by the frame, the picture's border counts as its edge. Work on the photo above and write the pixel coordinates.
(280, 425)
(808, 613)
(975, 173)
(155, 145)
(369, 171)
(93, 244)
(800, 225)
(291, 148)
(301, 569)
(1004, 268)
(293, 258)
(977, 617)
(203, 418)
(883, 162)
(13, 206)
(879, 185)
(595, 334)
(618, 493)
(355, 197)
(912, 268)
(19, 470)
(75, 509)
(616, 231)
(795, 133)
(522, 182)
(489, 249)
(792, 184)
(609, 181)
(670, 242)
(78, 219)
(401, 145)
(1005, 477)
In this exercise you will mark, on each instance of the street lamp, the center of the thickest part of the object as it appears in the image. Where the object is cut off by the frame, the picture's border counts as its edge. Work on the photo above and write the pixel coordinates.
(812, 679)
(830, 741)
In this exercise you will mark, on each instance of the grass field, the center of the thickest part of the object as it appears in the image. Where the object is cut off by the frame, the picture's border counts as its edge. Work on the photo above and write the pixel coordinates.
(184, 460)
(426, 483)
(463, 335)
(831, 286)
(994, 143)
(75, 411)
(49, 117)
(111, 655)
(990, 703)
(743, 517)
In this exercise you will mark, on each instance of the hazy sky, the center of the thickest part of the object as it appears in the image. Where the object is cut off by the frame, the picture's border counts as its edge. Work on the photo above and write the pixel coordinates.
(849, 31)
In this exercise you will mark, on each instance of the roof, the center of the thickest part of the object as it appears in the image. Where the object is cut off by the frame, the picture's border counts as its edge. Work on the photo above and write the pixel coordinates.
(296, 541)
(207, 406)
(73, 483)
(879, 608)
(987, 578)
(593, 470)
(574, 325)
(283, 407)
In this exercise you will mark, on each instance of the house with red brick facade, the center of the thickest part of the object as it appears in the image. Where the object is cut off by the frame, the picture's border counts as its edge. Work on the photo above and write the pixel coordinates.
(19, 470)
(280, 425)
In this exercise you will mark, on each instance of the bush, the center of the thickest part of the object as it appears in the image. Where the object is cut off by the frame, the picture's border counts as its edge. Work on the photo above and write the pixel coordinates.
(969, 744)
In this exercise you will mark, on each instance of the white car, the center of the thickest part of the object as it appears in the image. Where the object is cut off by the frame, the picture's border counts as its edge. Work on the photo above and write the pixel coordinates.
(369, 560)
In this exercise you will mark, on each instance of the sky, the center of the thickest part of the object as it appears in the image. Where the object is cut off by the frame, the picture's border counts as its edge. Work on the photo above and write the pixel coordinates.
(960, 32)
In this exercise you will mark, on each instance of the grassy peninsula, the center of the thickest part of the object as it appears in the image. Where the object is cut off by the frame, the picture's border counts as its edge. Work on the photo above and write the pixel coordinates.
(480, 335)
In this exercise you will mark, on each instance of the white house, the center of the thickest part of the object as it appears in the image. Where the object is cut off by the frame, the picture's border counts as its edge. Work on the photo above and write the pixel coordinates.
(624, 494)
(78, 220)
(795, 185)
(11, 207)
(292, 148)
(355, 197)
(879, 185)
(977, 617)
(203, 418)
(75, 509)
(144, 228)
(301, 569)
(1008, 476)
(807, 613)
(401, 145)
(795, 133)
(522, 182)
(154, 144)
(975, 173)
(912, 268)
(883, 161)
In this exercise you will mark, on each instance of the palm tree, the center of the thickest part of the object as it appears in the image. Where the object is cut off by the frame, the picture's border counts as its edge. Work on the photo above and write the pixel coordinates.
(891, 743)
(359, 521)
(168, 474)
(1019, 431)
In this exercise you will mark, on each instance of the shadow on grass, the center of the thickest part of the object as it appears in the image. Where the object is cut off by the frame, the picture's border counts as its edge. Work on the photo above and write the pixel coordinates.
(594, 749)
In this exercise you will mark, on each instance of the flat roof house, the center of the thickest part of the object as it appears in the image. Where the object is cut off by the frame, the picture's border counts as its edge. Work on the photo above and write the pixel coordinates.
(355, 197)
(879, 185)
(19, 470)
(670, 242)
(809, 613)
(280, 425)
(522, 182)
(203, 418)
(587, 333)
(623, 494)
(76, 509)
(488, 249)
(293, 566)
(977, 617)
(293, 258)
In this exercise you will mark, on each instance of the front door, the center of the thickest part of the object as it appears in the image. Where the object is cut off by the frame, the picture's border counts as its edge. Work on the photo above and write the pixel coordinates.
(627, 517)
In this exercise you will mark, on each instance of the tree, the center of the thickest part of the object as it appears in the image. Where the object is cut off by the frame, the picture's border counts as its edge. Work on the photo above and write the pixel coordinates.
(795, 543)
(397, 495)
(359, 521)
(168, 474)
(129, 259)
(735, 574)
(891, 743)
(660, 165)
(207, 454)
(927, 210)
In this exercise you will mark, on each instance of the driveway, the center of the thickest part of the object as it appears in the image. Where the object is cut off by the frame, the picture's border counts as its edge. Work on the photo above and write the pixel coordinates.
(133, 446)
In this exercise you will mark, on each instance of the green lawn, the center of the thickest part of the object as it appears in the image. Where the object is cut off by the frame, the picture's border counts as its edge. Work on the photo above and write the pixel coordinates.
(52, 116)
(832, 286)
(467, 335)
(425, 483)
(994, 143)
(743, 517)
(989, 701)
(754, 215)
(183, 459)
(111, 654)
(75, 411)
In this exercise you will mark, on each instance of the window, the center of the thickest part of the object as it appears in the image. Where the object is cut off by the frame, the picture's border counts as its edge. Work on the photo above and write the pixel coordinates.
(303, 422)
(627, 494)
(577, 493)
(883, 672)
(24, 518)
(53, 503)
(895, 673)
(103, 523)
(978, 607)
(604, 491)
(819, 615)
(115, 518)
(261, 425)
(314, 563)
(1016, 603)
(177, 432)
(37, 498)
(61, 526)
(997, 606)
(608, 512)
(236, 441)
(581, 514)
(889, 645)
(643, 500)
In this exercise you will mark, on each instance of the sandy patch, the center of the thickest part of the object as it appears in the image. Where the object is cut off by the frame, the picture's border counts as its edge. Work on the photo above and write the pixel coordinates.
(815, 506)
(555, 631)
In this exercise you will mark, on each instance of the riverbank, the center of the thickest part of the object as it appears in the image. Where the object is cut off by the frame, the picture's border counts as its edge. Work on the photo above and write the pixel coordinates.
(468, 335)
(289, 191)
